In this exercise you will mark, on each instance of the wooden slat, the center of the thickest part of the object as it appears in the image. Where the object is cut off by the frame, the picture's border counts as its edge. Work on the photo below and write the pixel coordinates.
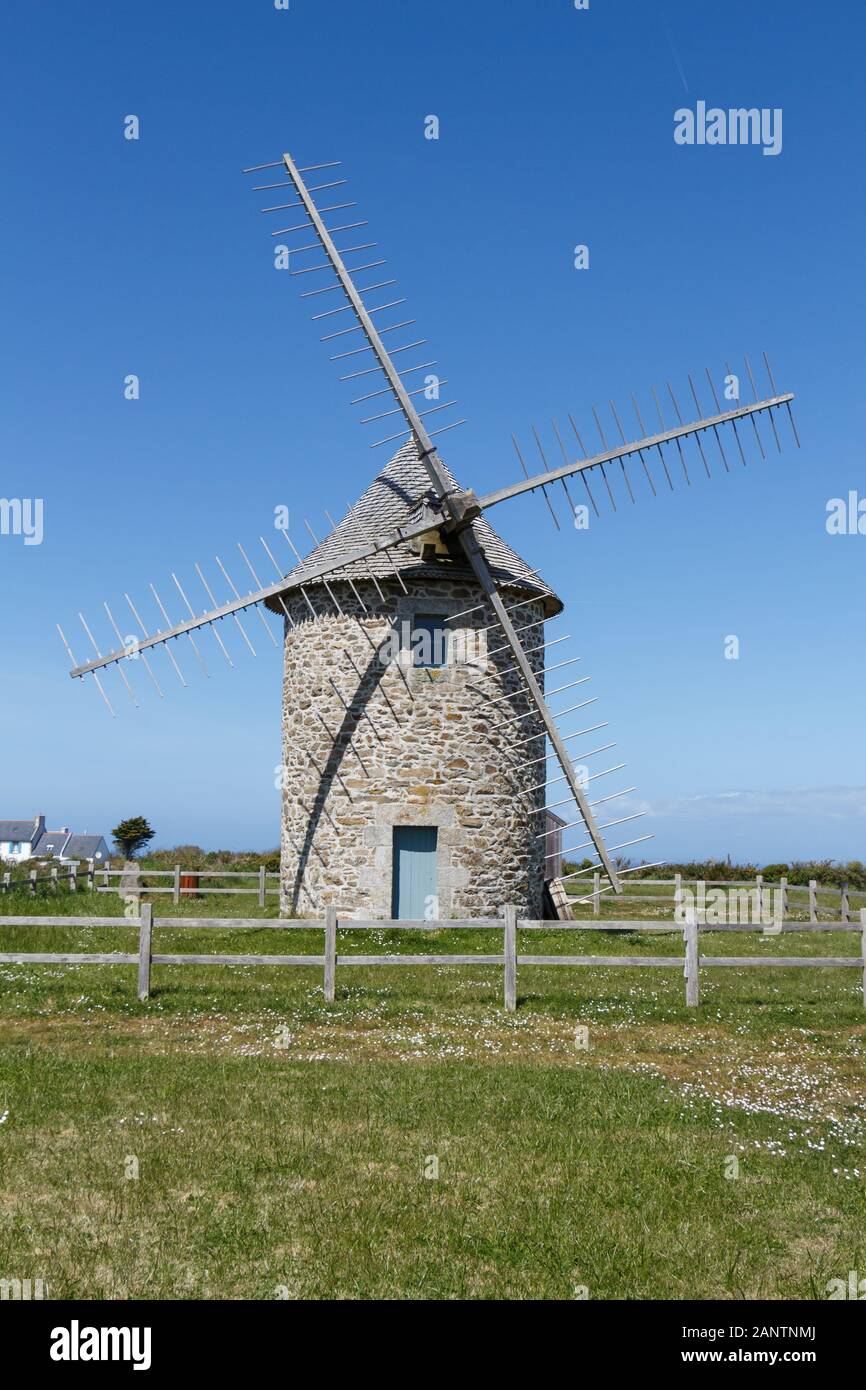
(692, 961)
(830, 962)
(347, 924)
(560, 899)
(202, 892)
(48, 921)
(510, 955)
(421, 960)
(199, 873)
(234, 924)
(478, 923)
(54, 958)
(754, 929)
(602, 960)
(317, 961)
(144, 951)
(330, 953)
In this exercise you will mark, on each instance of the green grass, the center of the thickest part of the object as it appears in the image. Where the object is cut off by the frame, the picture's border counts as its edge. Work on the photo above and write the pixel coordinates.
(281, 1141)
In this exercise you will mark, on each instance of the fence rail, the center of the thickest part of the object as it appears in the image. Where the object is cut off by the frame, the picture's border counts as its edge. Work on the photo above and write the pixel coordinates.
(691, 962)
(762, 890)
(98, 878)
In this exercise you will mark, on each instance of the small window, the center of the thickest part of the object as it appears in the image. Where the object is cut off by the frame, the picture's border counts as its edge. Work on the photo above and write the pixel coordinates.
(431, 636)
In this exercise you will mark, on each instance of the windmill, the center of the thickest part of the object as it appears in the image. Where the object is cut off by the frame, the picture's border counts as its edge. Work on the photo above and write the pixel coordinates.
(414, 783)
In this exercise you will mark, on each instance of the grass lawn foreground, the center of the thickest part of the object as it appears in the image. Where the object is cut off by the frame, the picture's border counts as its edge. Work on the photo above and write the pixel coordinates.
(237, 1137)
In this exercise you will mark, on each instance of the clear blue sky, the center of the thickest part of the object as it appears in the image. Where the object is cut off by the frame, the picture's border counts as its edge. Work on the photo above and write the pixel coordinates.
(150, 257)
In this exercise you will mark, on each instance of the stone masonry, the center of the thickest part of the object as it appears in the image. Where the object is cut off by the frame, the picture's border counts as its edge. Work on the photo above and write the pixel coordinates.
(369, 746)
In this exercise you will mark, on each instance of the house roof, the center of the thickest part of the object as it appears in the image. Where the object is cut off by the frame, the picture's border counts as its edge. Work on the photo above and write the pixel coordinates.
(391, 500)
(56, 839)
(23, 830)
(84, 846)
(44, 842)
(64, 843)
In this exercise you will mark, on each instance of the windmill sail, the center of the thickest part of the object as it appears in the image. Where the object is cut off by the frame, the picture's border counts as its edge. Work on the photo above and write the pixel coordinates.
(356, 327)
(466, 532)
(649, 445)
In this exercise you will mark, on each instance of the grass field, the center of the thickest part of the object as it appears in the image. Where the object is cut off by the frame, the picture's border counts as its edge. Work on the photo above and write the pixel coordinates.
(285, 1147)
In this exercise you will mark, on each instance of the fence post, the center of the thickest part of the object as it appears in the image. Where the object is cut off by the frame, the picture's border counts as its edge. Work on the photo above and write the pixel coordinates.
(330, 953)
(262, 888)
(175, 887)
(784, 890)
(843, 902)
(7, 879)
(813, 900)
(693, 983)
(863, 949)
(596, 894)
(510, 956)
(759, 897)
(145, 931)
(678, 892)
(90, 879)
(54, 873)
(32, 880)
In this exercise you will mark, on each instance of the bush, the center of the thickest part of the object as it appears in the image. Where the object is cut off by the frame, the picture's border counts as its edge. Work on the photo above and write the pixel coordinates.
(774, 872)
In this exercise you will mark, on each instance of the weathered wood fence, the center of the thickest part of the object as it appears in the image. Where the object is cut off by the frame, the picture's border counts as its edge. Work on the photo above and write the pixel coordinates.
(808, 897)
(509, 959)
(52, 877)
(104, 879)
(816, 899)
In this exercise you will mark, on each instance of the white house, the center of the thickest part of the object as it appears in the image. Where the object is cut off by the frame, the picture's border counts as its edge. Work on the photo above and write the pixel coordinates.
(30, 839)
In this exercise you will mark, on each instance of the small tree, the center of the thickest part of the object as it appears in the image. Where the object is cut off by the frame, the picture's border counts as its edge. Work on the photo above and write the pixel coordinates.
(132, 835)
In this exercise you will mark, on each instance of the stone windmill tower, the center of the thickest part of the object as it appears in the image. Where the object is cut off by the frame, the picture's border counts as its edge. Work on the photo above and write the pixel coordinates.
(417, 734)
(407, 790)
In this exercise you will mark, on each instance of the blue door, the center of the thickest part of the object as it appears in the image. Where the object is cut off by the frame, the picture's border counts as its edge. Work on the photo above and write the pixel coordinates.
(414, 873)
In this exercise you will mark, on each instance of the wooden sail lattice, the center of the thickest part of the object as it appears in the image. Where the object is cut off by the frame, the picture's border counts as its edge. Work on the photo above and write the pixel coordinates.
(357, 318)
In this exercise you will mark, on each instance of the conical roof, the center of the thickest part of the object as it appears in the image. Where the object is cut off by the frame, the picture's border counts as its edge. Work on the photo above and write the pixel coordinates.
(391, 500)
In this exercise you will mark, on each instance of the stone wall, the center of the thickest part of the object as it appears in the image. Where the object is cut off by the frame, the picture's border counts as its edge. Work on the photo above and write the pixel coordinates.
(367, 746)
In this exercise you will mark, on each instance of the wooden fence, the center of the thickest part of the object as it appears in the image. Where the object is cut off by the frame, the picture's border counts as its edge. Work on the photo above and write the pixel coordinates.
(51, 877)
(691, 962)
(104, 879)
(809, 899)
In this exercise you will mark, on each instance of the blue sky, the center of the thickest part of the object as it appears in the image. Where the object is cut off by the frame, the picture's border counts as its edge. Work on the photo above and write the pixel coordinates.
(556, 128)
